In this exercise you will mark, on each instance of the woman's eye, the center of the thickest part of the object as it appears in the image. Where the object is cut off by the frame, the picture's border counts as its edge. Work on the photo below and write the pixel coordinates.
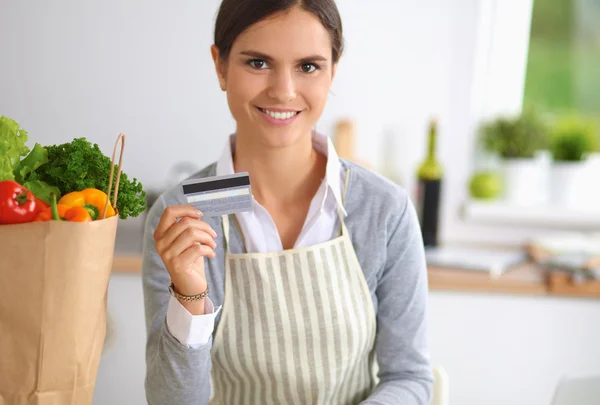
(308, 67)
(258, 64)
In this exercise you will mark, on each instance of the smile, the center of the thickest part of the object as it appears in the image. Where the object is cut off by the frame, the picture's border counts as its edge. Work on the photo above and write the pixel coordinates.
(281, 116)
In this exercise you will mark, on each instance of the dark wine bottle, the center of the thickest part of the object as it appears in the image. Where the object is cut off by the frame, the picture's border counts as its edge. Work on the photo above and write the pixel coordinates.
(429, 189)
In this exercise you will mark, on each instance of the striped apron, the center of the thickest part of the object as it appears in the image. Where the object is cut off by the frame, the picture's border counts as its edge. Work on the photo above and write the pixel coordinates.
(297, 327)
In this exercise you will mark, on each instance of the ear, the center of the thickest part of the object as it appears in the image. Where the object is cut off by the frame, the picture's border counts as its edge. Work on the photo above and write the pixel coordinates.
(334, 70)
(219, 67)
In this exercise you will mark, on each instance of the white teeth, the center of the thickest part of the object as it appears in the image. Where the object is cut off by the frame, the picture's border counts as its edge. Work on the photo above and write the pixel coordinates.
(279, 115)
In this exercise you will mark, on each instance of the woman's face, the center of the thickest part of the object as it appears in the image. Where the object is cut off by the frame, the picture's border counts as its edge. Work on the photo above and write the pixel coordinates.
(277, 77)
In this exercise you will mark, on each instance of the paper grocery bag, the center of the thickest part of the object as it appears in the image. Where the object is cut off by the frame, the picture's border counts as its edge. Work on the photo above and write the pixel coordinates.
(54, 280)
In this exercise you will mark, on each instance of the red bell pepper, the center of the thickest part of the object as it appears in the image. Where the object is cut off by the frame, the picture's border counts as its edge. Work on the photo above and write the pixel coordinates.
(17, 204)
(41, 206)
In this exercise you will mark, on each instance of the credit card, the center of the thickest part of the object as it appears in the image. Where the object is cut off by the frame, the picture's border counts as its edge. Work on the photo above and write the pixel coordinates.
(219, 195)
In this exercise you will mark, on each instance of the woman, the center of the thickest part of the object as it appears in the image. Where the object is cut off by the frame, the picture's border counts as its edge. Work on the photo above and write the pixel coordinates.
(297, 301)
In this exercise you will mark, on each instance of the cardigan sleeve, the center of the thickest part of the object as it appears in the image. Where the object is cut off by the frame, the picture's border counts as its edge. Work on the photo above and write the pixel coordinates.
(405, 373)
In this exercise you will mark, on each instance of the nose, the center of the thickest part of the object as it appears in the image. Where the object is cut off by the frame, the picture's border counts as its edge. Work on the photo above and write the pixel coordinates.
(282, 86)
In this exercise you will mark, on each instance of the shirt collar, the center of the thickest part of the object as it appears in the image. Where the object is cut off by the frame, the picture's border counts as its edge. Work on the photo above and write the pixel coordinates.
(321, 143)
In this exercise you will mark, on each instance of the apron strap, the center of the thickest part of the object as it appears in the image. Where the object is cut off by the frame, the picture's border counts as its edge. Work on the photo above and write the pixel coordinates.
(225, 219)
(345, 191)
(343, 228)
(226, 227)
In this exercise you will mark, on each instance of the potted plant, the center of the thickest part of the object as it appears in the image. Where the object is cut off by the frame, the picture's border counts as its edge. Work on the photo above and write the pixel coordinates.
(573, 138)
(518, 141)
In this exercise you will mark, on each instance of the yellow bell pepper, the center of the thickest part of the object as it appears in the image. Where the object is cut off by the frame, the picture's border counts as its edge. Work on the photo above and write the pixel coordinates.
(91, 199)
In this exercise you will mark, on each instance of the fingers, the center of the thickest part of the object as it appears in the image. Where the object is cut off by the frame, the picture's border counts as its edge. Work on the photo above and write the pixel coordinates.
(182, 241)
(170, 216)
(189, 237)
(190, 258)
(181, 226)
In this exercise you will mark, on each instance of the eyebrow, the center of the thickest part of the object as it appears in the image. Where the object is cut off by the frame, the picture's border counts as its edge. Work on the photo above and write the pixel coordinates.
(260, 55)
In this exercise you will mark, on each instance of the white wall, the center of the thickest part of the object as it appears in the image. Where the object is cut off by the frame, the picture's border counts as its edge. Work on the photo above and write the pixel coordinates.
(497, 349)
(95, 69)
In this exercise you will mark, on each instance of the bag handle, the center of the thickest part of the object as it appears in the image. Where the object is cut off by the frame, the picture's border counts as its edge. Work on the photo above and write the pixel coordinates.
(121, 140)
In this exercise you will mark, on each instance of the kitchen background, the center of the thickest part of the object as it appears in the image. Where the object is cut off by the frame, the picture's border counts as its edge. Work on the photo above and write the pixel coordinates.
(94, 69)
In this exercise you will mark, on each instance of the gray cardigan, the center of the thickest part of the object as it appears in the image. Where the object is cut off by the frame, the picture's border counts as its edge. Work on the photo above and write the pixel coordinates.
(384, 230)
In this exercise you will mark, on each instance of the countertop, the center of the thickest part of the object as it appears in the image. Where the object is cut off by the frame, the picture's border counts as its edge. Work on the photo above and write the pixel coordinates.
(524, 279)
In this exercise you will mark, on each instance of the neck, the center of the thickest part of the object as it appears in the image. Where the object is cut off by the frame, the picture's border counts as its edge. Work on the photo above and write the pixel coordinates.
(280, 176)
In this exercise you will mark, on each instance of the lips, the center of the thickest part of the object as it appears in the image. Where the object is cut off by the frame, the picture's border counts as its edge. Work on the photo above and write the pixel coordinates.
(279, 115)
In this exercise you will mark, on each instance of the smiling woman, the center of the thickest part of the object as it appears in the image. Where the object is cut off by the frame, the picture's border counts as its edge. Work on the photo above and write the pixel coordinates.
(280, 71)
(323, 281)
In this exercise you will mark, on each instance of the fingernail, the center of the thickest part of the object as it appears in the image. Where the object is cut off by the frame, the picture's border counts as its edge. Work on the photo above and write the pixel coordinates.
(199, 213)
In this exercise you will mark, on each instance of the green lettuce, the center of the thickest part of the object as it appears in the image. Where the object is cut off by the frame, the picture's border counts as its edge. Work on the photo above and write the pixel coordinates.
(42, 190)
(24, 172)
(12, 147)
(24, 169)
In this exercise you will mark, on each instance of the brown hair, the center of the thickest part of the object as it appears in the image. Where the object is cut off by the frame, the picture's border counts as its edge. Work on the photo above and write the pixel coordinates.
(235, 16)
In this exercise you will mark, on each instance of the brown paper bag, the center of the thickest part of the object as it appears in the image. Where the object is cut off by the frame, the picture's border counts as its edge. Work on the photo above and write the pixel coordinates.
(53, 287)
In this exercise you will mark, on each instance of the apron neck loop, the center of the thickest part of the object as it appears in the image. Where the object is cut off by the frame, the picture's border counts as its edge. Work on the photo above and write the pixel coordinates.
(225, 219)
(345, 191)
(343, 228)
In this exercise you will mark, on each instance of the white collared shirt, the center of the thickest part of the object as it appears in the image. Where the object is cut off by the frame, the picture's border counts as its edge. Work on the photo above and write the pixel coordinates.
(261, 235)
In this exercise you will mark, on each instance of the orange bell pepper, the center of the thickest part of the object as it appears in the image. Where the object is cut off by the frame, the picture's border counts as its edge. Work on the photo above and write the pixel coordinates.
(45, 213)
(92, 199)
(78, 214)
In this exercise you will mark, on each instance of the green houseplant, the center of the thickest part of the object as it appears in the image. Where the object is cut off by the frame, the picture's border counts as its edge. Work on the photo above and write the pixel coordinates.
(573, 138)
(517, 140)
(516, 137)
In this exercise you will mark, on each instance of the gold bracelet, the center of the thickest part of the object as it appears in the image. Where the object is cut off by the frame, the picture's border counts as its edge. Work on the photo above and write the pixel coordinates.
(187, 298)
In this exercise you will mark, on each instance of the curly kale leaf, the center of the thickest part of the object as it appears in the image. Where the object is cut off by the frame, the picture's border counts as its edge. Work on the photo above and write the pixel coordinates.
(78, 165)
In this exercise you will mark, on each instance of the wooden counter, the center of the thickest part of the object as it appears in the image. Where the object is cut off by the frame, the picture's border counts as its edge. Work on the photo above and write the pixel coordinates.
(127, 264)
(560, 284)
(525, 279)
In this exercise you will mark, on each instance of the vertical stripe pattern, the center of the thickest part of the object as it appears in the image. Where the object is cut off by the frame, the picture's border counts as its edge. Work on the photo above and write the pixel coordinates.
(297, 327)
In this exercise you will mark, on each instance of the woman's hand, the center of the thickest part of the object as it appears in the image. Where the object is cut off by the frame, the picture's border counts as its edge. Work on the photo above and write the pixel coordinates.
(182, 241)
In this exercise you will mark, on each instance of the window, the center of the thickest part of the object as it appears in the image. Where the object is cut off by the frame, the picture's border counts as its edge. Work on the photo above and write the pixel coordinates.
(546, 54)
(563, 65)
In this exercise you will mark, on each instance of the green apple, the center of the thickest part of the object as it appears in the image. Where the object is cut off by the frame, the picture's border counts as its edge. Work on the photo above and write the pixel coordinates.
(485, 185)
